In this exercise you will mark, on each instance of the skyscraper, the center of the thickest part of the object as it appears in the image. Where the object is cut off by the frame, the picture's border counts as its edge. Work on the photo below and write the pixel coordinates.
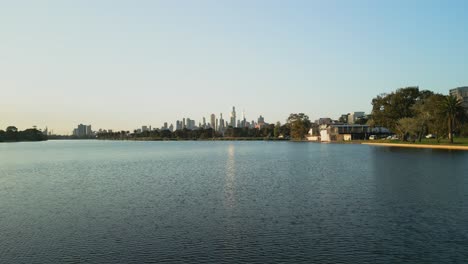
(244, 121)
(213, 121)
(221, 122)
(233, 117)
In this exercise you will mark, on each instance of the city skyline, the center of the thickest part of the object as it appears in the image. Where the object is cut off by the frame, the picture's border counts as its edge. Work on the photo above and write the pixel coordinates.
(120, 65)
(216, 122)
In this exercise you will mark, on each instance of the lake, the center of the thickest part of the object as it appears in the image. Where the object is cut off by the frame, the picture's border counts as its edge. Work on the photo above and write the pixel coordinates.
(228, 202)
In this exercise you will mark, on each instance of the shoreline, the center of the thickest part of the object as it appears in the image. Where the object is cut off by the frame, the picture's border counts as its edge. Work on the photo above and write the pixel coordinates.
(423, 146)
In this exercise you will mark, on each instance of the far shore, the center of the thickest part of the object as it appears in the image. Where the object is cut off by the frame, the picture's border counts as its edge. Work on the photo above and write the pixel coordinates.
(425, 146)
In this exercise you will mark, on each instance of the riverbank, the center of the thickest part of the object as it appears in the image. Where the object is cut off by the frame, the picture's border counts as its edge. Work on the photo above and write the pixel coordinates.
(197, 139)
(424, 146)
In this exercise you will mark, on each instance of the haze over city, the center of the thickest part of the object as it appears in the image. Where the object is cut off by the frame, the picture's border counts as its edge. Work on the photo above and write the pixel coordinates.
(121, 64)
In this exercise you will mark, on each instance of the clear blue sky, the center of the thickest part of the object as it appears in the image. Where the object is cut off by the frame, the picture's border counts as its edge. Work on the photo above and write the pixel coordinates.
(123, 64)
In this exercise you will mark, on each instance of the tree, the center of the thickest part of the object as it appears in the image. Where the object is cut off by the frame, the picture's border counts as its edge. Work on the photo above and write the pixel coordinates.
(299, 125)
(387, 109)
(2, 135)
(428, 117)
(11, 133)
(407, 127)
(453, 112)
(276, 131)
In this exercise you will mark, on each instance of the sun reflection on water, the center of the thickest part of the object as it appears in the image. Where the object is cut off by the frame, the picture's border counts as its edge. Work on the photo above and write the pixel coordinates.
(229, 185)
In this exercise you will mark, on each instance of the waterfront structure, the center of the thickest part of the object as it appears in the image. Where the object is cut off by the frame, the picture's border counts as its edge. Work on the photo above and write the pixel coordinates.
(346, 132)
(462, 94)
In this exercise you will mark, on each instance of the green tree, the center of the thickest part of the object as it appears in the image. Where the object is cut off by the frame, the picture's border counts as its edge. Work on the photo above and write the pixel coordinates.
(387, 109)
(428, 117)
(407, 127)
(11, 133)
(453, 112)
(276, 131)
(299, 125)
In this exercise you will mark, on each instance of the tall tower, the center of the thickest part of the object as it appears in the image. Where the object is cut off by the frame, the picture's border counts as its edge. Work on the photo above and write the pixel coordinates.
(233, 117)
(244, 121)
(221, 122)
(213, 121)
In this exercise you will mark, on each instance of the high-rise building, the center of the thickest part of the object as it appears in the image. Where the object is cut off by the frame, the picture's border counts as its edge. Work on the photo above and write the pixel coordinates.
(178, 125)
(244, 121)
(213, 121)
(204, 123)
(462, 94)
(221, 123)
(171, 128)
(184, 125)
(82, 131)
(261, 120)
(233, 117)
(165, 125)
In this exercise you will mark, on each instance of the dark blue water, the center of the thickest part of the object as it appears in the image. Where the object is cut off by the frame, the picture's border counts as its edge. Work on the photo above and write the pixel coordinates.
(229, 202)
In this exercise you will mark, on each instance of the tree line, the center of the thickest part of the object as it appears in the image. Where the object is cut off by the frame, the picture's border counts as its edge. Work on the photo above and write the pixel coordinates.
(12, 134)
(412, 113)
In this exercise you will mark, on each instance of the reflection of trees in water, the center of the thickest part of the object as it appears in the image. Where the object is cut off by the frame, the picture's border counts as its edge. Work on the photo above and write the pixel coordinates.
(229, 188)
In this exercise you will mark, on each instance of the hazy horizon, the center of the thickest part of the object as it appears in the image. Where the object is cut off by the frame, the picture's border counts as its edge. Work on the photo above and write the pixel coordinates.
(119, 65)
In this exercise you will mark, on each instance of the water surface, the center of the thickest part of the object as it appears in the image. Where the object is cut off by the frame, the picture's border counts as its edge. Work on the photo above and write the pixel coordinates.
(228, 202)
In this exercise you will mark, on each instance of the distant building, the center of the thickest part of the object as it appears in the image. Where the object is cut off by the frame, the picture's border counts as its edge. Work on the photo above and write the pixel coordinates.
(244, 120)
(83, 131)
(178, 125)
(233, 117)
(352, 117)
(324, 121)
(462, 94)
(221, 125)
(260, 122)
(213, 122)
